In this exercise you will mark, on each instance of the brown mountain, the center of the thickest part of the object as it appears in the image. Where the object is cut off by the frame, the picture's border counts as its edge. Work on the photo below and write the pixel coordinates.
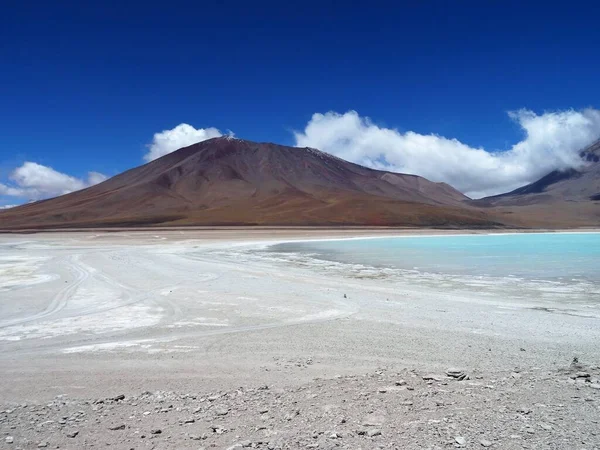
(561, 198)
(231, 181)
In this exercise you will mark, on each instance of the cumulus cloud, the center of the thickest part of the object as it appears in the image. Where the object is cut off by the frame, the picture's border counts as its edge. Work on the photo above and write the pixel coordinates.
(182, 135)
(551, 141)
(33, 181)
(7, 206)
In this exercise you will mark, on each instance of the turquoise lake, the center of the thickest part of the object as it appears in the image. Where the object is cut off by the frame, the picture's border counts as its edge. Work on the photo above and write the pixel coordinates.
(543, 256)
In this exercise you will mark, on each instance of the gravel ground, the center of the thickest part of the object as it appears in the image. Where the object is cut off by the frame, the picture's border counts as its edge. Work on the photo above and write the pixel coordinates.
(395, 409)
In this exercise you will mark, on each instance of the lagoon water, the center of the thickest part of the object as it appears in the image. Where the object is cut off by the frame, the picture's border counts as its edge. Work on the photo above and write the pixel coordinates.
(562, 257)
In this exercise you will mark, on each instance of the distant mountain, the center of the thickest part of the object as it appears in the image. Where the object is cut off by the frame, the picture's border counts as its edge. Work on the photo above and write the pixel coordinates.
(227, 181)
(566, 198)
(571, 185)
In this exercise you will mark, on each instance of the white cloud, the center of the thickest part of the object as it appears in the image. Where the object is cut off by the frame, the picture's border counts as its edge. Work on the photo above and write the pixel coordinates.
(182, 135)
(95, 178)
(551, 141)
(33, 181)
(7, 206)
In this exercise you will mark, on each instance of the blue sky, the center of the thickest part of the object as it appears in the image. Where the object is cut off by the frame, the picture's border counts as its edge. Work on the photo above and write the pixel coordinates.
(85, 87)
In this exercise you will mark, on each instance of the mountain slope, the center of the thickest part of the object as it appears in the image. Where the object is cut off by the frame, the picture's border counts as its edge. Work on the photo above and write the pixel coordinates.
(568, 198)
(233, 181)
(571, 185)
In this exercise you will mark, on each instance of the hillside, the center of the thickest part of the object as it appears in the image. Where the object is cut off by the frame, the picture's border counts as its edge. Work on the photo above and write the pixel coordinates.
(227, 181)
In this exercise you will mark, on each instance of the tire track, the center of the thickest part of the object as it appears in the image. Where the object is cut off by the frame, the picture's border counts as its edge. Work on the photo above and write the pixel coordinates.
(61, 299)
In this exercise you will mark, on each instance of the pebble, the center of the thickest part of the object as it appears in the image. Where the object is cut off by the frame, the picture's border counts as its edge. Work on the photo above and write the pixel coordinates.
(460, 440)
(42, 445)
(375, 432)
(431, 377)
(156, 431)
(454, 373)
(9, 439)
(73, 434)
(117, 427)
(485, 443)
(373, 421)
(221, 411)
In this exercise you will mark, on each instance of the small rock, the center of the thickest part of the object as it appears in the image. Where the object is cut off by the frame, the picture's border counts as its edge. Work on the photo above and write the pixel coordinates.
(545, 426)
(485, 443)
(431, 377)
(373, 420)
(9, 439)
(382, 390)
(460, 440)
(582, 375)
(156, 431)
(454, 373)
(118, 398)
(117, 427)
(246, 444)
(400, 383)
(42, 445)
(73, 434)
(291, 415)
(221, 411)
(234, 447)
(190, 420)
(374, 432)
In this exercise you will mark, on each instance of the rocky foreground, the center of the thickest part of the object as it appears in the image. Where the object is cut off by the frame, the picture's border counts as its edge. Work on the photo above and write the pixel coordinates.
(532, 409)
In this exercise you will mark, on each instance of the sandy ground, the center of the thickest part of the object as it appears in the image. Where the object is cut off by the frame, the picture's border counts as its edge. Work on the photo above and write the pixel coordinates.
(92, 315)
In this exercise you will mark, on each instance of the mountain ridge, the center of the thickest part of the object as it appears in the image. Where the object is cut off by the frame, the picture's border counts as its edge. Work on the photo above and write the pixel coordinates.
(227, 180)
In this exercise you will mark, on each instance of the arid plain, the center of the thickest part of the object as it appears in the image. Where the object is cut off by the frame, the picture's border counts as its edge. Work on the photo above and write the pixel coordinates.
(185, 315)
